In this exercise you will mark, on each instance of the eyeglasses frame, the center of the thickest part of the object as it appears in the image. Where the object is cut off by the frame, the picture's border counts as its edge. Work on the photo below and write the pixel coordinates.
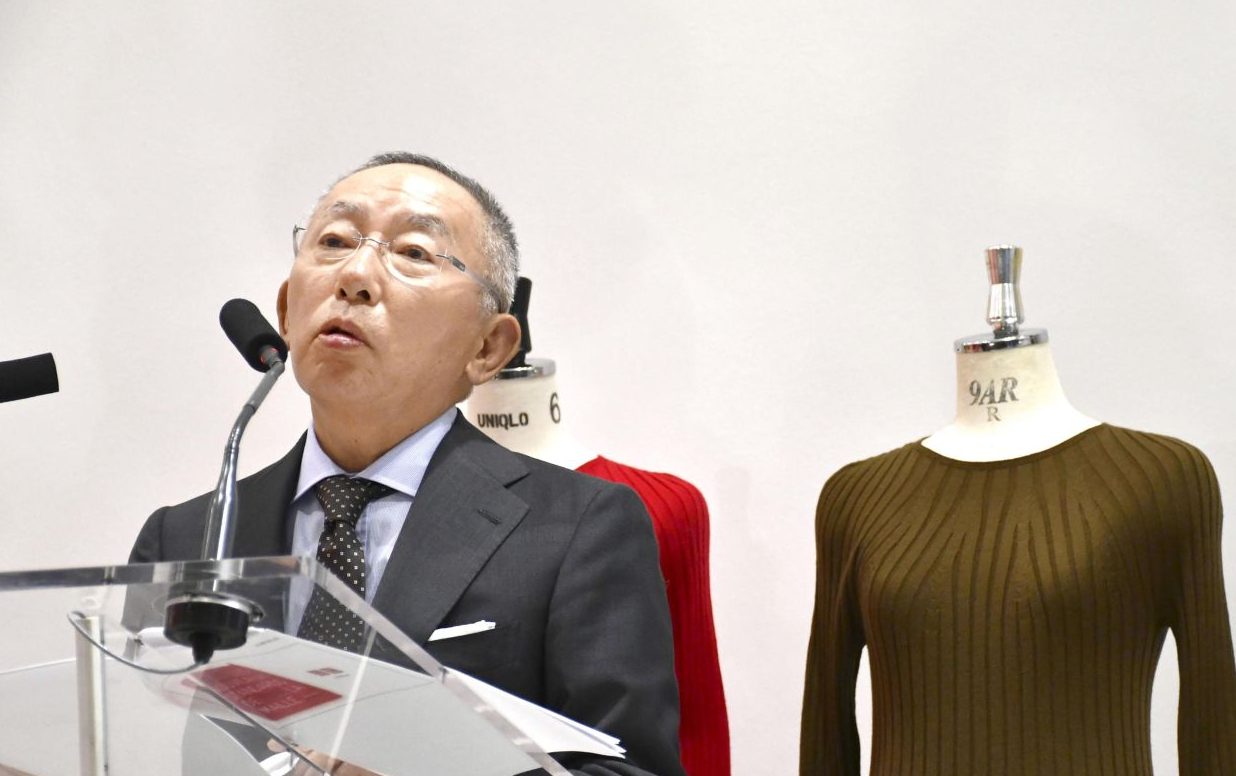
(485, 285)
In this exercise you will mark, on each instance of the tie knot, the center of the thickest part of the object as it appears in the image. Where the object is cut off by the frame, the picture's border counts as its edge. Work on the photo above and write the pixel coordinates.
(344, 498)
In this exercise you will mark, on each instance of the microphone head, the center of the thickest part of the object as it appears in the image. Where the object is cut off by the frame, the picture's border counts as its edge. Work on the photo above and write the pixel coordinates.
(23, 378)
(250, 332)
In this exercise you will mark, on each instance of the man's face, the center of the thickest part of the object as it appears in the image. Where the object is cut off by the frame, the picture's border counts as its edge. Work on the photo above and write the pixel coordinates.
(361, 338)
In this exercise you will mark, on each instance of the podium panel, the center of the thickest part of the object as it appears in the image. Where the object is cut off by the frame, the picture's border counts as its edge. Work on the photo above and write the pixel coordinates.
(91, 684)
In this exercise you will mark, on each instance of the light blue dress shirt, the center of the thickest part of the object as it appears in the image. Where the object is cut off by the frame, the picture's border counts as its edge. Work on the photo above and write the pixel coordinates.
(402, 468)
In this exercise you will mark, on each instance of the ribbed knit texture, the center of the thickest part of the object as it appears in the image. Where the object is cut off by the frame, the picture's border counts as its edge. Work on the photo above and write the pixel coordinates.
(680, 520)
(1014, 611)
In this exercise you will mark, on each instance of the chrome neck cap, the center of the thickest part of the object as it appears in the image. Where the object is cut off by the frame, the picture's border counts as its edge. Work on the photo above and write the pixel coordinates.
(535, 367)
(1005, 312)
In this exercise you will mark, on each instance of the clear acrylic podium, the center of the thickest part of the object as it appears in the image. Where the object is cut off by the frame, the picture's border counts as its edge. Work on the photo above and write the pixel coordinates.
(69, 709)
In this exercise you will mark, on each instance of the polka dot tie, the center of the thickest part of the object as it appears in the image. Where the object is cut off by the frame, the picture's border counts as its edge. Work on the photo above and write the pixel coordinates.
(340, 551)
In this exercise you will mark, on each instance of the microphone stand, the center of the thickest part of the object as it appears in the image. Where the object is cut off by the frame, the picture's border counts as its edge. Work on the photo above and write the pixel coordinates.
(221, 517)
(211, 618)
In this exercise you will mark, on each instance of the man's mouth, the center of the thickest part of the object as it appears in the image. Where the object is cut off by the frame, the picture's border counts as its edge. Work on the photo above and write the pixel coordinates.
(342, 334)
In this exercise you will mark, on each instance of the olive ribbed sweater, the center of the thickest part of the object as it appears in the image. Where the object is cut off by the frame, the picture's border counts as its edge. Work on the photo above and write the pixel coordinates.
(1014, 611)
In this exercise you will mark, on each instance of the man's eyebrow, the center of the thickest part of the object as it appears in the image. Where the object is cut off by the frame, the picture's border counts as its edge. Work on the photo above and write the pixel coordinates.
(425, 222)
(345, 208)
(428, 223)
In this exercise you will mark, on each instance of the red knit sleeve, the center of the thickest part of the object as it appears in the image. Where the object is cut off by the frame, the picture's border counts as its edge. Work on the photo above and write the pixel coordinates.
(680, 521)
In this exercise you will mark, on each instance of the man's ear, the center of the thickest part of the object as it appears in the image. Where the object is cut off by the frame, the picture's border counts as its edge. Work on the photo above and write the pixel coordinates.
(498, 346)
(281, 304)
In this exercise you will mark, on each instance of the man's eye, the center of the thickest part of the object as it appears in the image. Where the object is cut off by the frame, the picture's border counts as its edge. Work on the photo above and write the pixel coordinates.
(335, 241)
(415, 253)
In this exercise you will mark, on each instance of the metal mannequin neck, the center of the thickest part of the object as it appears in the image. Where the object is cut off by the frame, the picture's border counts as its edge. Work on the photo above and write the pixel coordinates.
(982, 343)
(1005, 312)
(536, 367)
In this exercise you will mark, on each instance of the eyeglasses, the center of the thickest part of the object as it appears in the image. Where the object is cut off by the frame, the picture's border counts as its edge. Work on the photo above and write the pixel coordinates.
(412, 264)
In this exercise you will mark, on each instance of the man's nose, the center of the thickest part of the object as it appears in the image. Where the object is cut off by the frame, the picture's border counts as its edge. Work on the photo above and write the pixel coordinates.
(359, 278)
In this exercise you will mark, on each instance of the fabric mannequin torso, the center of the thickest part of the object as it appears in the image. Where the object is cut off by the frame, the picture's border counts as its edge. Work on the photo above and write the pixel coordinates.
(524, 414)
(1009, 404)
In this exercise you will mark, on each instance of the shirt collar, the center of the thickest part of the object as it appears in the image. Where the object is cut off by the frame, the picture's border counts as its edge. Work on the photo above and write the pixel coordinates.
(402, 467)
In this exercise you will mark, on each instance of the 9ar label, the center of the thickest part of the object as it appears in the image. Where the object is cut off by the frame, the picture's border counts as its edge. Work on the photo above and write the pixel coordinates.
(987, 396)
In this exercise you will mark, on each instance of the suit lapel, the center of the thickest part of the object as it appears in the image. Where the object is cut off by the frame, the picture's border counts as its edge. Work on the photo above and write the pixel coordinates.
(461, 514)
(262, 519)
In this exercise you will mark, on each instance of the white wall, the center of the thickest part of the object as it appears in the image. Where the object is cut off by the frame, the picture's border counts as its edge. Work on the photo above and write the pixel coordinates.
(754, 230)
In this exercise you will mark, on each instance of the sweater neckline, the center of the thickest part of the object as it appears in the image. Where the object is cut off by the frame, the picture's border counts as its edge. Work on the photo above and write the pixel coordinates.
(1009, 462)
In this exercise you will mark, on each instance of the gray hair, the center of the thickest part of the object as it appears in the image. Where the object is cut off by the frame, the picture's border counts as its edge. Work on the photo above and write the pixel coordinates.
(498, 237)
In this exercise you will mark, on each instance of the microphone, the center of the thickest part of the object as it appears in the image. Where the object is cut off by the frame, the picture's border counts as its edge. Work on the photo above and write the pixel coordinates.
(252, 335)
(265, 350)
(24, 378)
(209, 619)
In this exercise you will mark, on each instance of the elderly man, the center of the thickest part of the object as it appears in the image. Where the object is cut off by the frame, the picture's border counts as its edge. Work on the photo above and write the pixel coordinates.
(396, 306)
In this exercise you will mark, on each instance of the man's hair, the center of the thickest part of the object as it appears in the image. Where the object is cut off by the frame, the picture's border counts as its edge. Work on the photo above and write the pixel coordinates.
(497, 241)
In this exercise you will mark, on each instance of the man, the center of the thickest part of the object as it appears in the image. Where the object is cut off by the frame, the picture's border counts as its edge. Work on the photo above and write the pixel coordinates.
(395, 307)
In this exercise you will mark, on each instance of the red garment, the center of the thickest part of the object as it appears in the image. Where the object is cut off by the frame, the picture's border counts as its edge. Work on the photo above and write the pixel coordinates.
(680, 520)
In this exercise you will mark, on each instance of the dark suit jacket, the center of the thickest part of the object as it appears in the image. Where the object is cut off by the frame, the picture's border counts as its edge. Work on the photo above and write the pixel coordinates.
(565, 564)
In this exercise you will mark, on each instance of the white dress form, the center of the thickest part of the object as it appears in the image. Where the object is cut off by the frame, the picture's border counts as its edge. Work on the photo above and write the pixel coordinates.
(1010, 403)
(521, 409)
(1009, 399)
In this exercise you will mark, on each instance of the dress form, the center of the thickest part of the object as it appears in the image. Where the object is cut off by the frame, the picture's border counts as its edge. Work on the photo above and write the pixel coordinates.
(521, 407)
(1012, 579)
(521, 410)
(1010, 402)
(1014, 611)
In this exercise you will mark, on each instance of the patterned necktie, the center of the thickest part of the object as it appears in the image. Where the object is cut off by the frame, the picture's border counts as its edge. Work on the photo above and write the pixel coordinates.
(341, 552)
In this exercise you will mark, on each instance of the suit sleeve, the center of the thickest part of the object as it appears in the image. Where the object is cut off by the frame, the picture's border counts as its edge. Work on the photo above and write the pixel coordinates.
(609, 647)
(141, 604)
(1207, 712)
(829, 742)
(148, 548)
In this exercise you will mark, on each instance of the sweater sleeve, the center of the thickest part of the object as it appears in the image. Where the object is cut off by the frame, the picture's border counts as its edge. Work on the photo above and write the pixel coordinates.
(1199, 621)
(829, 743)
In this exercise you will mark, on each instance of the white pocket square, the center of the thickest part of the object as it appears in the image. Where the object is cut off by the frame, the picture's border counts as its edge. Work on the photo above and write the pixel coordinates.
(455, 631)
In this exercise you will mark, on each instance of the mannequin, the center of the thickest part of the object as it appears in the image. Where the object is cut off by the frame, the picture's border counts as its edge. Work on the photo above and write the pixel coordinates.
(1009, 399)
(1012, 578)
(521, 410)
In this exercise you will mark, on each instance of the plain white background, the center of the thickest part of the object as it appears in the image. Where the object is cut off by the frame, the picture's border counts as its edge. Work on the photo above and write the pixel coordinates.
(754, 229)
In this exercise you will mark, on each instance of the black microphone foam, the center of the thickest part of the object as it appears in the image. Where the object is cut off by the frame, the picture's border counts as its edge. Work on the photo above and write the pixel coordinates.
(251, 333)
(26, 377)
